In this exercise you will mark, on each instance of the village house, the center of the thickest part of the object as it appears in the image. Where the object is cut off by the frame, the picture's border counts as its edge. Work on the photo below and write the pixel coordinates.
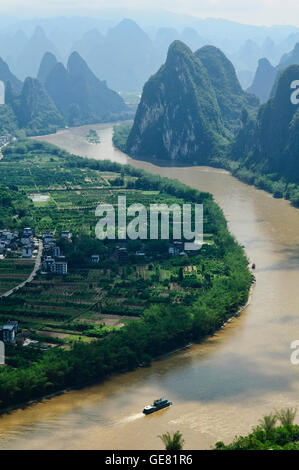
(27, 232)
(5, 139)
(190, 270)
(60, 266)
(47, 238)
(175, 248)
(7, 240)
(27, 251)
(55, 266)
(47, 263)
(56, 251)
(9, 332)
(27, 236)
(122, 255)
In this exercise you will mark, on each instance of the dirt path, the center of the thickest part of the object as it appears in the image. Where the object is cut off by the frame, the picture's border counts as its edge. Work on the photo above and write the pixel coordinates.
(32, 274)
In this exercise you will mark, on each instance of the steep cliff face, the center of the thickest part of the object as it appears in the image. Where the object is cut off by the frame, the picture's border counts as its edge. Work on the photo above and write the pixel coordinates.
(263, 80)
(230, 95)
(270, 144)
(178, 117)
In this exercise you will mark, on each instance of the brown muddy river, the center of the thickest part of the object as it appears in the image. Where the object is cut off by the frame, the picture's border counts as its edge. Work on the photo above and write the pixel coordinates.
(219, 388)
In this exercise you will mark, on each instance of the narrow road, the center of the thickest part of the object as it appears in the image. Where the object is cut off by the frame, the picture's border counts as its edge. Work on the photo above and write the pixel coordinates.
(32, 274)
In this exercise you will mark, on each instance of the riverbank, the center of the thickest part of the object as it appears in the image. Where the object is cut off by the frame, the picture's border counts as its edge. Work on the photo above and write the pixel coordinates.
(155, 359)
(161, 357)
(279, 188)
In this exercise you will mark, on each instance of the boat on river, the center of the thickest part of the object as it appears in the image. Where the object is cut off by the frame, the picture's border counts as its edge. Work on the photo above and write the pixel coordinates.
(156, 406)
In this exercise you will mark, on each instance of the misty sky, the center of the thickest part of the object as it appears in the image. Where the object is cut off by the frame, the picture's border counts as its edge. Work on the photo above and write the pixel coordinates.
(266, 12)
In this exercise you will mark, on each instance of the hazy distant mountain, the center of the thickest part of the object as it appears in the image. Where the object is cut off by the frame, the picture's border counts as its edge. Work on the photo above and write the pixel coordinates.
(270, 50)
(28, 61)
(238, 33)
(245, 78)
(208, 27)
(166, 36)
(80, 96)
(266, 77)
(248, 55)
(123, 54)
(191, 37)
(91, 47)
(290, 58)
(46, 66)
(6, 75)
(123, 57)
(178, 117)
(11, 45)
(263, 80)
(285, 46)
(127, 57)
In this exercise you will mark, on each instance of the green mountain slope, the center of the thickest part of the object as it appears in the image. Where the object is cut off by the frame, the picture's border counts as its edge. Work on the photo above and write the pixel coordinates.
(34, 110)
(270, 144)
(230, 95)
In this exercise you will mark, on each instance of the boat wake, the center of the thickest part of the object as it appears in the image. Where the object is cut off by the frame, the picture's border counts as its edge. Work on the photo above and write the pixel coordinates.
(131, 418)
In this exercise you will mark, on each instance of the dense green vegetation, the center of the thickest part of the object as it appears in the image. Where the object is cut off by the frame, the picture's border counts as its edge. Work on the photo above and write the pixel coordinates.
(120, 136)
(31, 109)
(174, 441)
(8, 121)
(93, 137)
(230, 96)
(265, 153)
(15, 207)
(172, 304)
(268, 436)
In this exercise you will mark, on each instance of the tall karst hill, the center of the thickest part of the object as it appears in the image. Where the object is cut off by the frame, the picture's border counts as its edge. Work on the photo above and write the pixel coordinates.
(190, 108)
